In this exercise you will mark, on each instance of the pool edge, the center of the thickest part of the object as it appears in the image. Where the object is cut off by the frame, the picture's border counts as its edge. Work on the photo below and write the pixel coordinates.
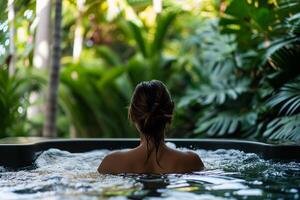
(23, 155)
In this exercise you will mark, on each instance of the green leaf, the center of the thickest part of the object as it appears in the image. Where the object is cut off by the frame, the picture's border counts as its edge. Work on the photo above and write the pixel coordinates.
(163, 24)
(137, 33)
(284, 128)
(110, 75)
(225, 123)
(287, 98)
(109, 56)
(239, 9)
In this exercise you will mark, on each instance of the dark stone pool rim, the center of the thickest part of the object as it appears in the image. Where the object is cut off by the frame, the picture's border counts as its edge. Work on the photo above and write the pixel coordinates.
(23, 155)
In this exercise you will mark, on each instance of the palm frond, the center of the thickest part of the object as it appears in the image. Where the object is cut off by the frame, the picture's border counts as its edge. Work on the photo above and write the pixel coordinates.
(285, 62)
(215, 93)
(95, 102)
(296, 27)
(163, 24)
(287, 7)
(277, 46)
(284, 128)
(288, 98)
(109, 56)
(14, 91)
(137, 34)
(225, 123)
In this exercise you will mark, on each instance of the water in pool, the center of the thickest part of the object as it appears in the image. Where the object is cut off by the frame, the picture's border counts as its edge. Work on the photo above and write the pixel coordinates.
(229, 174)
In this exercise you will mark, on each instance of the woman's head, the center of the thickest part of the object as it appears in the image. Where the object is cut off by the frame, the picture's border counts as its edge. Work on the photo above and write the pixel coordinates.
(151, 110)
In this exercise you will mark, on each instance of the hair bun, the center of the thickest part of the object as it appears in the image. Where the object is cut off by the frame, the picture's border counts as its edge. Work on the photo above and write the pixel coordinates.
(151, 107)
(154, 107)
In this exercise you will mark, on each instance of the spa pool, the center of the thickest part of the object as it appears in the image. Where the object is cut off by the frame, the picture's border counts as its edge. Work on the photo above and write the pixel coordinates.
(230, 174)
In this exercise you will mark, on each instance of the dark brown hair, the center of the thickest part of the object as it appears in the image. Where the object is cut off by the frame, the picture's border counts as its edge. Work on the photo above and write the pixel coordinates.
(151, 109)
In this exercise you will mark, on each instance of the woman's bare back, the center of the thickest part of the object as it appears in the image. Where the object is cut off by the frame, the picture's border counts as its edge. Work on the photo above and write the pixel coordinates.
(135, 161)
(151, 111)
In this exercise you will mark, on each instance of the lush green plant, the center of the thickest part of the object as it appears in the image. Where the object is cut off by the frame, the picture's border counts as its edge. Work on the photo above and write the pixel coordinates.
(150, 58)
(95, 93)
(233, 82)
(24, 15)
(237, 68)
(95, 100)
(222, 95)
(287, 125)
(14, 93)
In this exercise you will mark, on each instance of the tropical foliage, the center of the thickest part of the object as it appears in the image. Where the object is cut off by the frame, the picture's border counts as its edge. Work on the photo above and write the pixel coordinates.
(14, 101)
(250, 87)
(231, 65)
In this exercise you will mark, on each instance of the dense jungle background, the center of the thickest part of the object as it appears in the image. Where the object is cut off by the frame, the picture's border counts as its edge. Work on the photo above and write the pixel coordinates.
(232, 66)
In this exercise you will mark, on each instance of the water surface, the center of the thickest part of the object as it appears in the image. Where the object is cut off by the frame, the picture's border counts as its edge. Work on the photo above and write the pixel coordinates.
(229, 174)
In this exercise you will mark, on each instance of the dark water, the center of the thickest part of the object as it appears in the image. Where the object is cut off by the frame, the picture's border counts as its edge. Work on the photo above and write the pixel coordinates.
(229, 174)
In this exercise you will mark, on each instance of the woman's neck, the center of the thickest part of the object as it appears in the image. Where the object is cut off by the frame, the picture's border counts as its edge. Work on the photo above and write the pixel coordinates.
(149, 145)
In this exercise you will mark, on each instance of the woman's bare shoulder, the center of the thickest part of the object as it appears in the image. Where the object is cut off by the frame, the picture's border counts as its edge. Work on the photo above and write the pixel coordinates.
(111, 163)
(195, 161)
(189, 161)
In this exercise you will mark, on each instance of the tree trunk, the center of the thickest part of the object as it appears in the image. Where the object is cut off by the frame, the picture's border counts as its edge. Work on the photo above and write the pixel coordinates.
(77, 48)
(51, 105)
(11, 18)
(41, 58)
(78, 35)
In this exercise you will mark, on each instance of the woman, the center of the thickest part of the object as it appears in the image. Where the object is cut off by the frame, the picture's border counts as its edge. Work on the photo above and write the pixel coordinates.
(151, 110)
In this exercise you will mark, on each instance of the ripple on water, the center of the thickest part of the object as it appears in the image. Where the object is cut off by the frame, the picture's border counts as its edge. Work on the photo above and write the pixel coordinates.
(229, 174)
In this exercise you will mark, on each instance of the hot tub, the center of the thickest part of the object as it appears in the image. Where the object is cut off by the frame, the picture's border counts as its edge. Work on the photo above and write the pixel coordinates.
(23, 152)
(66, 169)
